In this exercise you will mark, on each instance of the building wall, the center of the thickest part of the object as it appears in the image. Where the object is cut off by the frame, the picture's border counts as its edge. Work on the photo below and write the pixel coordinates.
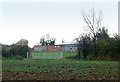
(58, 48)
(70, 48)
(50, 48)
(47, 48)
(40, 48)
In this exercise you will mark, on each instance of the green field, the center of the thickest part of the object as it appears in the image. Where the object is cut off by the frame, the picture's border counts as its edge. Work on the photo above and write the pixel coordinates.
(59, 69)
(52, 55)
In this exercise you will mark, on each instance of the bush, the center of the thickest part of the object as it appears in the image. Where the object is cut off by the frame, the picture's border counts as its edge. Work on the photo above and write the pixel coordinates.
(20, 58)
(19, 49)
(105, 48)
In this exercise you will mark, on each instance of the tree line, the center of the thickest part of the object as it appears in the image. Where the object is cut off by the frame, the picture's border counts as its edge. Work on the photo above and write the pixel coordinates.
(18, 50)
(96, 44)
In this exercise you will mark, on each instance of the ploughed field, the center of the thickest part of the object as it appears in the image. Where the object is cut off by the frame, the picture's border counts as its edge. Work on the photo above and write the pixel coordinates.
(59, 69)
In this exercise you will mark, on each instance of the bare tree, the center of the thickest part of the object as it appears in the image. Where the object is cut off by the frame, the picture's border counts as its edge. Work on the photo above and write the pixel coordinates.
(93, 22)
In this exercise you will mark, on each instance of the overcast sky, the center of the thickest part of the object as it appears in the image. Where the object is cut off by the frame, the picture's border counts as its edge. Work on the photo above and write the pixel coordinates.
(62, 20)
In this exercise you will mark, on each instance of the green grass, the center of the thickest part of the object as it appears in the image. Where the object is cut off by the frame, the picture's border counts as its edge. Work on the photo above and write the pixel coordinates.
(63, 67)
(52, 55)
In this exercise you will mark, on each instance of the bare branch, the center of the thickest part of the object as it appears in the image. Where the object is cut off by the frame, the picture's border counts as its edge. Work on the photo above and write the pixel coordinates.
(92, 21)
(87, 20)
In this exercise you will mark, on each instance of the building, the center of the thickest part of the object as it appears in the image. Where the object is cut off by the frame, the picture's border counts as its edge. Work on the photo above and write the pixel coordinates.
(39, 48)
(65, 47)
(69, 46)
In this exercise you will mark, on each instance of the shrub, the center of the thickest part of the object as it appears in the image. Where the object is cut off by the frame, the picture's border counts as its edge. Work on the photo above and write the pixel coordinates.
(20, 58)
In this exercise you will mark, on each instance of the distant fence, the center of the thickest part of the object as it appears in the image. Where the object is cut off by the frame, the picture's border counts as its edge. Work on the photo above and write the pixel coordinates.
(47, 55)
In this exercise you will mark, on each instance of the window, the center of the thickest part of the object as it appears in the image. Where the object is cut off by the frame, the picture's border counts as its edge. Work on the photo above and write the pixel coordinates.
(55, 46)
(58, 46)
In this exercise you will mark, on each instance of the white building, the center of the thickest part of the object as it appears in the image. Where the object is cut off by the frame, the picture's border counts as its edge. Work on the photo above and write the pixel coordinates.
(69, 46)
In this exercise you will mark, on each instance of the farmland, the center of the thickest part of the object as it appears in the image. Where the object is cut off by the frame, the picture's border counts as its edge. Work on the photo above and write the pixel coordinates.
(59, 69)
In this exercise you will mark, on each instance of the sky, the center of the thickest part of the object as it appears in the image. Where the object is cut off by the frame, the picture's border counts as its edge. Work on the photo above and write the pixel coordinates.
(62, 20)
